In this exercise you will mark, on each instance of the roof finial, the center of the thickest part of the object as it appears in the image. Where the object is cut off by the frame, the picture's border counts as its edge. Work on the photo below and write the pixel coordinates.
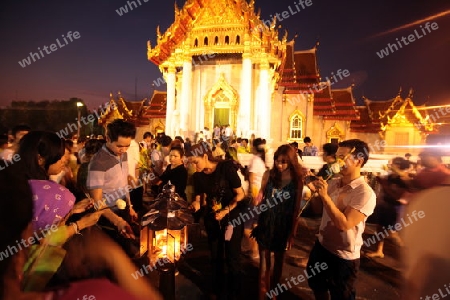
(158, 32)
(317, 43)
(411, 93)
(399, 91)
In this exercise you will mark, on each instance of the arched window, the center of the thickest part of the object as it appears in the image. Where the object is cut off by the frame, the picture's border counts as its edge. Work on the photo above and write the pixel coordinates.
(216, 40)
(196, 43)
(227, 40)
(205, 41)
(296, 126)
(238, 40)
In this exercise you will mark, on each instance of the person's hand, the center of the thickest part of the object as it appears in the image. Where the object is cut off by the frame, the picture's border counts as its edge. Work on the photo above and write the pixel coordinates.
(133, 214)
(321, 187)
(195, 205)
(125, 229)
(258, 198)
(88, 220)
(82, 206)
(221, 214)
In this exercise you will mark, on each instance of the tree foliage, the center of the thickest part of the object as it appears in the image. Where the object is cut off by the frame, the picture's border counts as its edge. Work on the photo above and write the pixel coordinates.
(45, 115)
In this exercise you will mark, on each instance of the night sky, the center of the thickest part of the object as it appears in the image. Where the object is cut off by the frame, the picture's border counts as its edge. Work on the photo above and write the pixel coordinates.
(110, 53)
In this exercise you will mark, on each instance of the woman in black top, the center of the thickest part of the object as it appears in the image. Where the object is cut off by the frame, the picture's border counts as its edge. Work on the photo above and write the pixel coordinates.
(176, 173)
(217, 187)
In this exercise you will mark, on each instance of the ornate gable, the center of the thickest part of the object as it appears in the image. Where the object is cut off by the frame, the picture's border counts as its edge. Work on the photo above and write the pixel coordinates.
(220, 26)
(222, 91)
(219, 12)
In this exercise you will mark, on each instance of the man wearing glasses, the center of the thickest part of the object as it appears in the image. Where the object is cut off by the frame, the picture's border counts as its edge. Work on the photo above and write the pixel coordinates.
(347, 203)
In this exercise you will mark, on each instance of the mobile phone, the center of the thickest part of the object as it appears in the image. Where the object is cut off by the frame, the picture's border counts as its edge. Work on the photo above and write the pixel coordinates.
(311, 178)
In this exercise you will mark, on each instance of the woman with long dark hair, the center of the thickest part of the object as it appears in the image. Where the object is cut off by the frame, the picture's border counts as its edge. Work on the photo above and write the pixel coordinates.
(15, 225)
(280, 193)
(217, 187)
(43, 154)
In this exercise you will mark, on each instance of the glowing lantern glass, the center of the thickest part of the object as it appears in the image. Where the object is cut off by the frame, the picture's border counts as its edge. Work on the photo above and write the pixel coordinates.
(164, 232)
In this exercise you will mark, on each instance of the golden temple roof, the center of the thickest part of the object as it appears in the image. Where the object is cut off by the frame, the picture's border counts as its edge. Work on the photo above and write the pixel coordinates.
(377, 115)
(131, 111)
(220, 26)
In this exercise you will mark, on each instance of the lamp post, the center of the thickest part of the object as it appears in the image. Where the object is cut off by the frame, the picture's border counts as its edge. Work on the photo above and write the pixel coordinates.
(79, 105)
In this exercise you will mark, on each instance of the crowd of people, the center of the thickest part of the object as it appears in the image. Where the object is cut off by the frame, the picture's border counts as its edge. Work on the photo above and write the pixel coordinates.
(74, 184)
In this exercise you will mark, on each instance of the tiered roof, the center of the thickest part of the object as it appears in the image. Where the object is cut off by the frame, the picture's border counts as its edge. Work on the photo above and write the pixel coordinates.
(324, 103)
(157, 106)
(221, 26)
(300, 74)
(345, 106)
(299, 71)
(120, 108)
(377, 115)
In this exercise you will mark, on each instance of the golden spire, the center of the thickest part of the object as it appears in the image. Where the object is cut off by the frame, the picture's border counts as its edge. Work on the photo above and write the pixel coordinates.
(158, 32)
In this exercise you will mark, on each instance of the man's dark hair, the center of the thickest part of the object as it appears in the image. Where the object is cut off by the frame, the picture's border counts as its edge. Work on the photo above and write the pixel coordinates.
(165, 141)
(19, 128)
(358, 148)
(403, 164)
(3, 139)
(294, 144)
(307, 139)
(179, 138)
(330, 149)
(68, 144)
(120, 127)
(148, 134)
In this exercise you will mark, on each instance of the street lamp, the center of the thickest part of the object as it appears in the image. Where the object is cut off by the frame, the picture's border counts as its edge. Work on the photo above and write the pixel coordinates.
(79, 105)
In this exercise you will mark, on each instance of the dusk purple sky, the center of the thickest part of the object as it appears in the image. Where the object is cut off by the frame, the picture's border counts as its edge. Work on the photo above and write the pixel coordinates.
(111, 49)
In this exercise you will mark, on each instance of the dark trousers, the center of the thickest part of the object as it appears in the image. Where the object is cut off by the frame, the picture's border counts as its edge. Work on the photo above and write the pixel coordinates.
(338, 278)
(136, 197)
(224, 254)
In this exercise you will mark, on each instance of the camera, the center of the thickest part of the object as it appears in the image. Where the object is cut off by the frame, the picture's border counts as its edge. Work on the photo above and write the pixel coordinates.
(311, 178)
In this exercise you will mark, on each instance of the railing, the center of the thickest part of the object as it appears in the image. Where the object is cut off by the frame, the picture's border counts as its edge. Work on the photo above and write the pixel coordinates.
(374, 165)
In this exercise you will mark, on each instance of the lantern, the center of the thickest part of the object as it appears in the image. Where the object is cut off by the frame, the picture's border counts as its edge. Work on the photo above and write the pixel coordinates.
(164, 236)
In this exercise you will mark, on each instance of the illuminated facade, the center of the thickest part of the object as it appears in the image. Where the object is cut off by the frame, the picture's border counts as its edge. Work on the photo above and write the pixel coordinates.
(221, 64)
(224, 65)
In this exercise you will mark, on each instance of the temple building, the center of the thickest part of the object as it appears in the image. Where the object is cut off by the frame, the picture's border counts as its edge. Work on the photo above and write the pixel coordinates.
(224, 65)
(402, 126)
(221, 63)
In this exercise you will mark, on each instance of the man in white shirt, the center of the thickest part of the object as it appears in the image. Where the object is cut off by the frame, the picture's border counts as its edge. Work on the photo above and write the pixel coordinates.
(228, 132)
(137, 193)
(207, 134)
(347, 203)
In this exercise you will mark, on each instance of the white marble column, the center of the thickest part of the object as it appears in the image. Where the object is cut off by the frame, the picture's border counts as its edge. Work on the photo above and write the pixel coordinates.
(245, 97)
(309, 130)
(170, 101)
(186, 90)
(264, 103)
